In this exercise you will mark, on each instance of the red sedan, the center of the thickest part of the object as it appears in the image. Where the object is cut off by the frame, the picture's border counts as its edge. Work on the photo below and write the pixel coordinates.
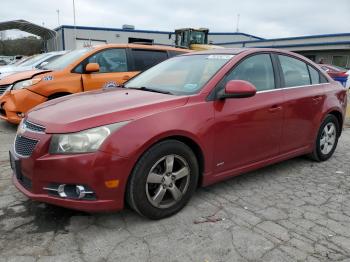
(190, 121)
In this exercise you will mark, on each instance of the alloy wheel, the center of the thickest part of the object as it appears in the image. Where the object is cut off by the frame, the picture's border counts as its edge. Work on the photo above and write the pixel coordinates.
(328, 138)
(167, 181)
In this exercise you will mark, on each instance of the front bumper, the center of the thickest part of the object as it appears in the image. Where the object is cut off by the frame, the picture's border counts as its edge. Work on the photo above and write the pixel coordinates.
(35, 173)
(15, 102)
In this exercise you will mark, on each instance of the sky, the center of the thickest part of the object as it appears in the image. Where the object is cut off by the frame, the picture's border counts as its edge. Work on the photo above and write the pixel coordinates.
(264, 18)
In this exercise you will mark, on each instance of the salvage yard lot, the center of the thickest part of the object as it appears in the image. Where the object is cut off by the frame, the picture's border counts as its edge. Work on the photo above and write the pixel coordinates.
(294, 210)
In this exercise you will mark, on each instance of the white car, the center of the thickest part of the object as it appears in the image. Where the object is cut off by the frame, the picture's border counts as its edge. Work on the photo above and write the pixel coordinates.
(347, 85)
(33, 63)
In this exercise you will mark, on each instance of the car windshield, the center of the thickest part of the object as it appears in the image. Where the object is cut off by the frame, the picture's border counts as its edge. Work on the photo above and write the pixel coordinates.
(32, 61)
(67, 59)
(181, 75)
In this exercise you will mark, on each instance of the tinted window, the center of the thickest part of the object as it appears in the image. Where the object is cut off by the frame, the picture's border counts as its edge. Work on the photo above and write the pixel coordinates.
(323, 79)
(315, 76)
(257, 70)
(295, 71)
(110, 60)
(144, 59)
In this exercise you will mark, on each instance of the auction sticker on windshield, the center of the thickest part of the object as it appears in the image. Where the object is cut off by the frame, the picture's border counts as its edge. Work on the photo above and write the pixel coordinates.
(224, 57)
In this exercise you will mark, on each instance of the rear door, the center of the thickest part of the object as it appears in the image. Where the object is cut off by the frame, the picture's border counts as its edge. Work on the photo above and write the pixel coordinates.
(114, 69)
(304, 92)
(248, 130)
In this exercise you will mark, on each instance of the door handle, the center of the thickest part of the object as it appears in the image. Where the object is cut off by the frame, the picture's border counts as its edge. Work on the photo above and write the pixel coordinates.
(275, 108)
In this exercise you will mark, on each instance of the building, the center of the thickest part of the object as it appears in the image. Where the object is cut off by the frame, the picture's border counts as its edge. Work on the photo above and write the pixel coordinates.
(332, 48)
(85, 36)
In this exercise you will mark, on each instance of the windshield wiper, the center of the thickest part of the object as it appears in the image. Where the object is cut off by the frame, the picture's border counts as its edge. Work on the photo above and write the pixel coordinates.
(151, 90)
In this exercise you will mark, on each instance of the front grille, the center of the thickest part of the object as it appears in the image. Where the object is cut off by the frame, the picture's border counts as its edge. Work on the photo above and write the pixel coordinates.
(24, 146)
(33, 127)
(3, 88)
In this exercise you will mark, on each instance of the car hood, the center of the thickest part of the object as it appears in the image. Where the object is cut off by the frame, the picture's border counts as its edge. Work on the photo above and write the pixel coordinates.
(74, 113)
(10, 79)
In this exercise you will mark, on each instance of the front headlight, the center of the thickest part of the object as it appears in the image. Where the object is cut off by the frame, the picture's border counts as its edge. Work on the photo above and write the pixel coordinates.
(26, 83)
(83, 142)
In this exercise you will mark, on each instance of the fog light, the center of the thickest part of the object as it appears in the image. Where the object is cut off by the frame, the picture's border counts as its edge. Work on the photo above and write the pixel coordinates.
(60, 190)
(80, 190)
(71, 191)
(20, 114)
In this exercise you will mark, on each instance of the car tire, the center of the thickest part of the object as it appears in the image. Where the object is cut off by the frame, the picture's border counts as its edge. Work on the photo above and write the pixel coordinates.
(327, 139)
(163, 180)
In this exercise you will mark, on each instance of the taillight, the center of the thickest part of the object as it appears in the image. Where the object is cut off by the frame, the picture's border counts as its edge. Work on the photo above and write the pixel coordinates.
(340, 74)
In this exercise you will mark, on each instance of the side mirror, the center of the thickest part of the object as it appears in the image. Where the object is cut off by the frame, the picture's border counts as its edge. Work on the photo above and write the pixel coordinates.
(92, 67)
(237, 89)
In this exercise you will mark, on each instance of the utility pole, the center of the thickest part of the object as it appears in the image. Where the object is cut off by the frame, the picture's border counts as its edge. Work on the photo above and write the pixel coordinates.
(237, 25)
(58, 16)
(75, 26)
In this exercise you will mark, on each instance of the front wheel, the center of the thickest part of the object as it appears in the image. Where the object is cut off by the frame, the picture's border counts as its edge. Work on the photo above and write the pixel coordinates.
(327, 139)
(163, 180)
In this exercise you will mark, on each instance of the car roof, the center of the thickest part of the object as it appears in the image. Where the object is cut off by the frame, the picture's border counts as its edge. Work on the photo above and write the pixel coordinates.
(151, 47)
(235, 51)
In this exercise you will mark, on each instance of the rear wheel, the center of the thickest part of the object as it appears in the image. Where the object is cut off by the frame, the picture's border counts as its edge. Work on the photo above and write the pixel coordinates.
(327, 139)
(163, 180)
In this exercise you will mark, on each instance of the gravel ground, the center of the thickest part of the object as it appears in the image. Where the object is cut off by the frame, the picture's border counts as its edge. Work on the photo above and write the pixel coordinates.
(297, 210)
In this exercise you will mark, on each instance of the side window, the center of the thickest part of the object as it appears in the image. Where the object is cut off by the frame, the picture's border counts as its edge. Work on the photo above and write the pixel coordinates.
(323, 79)
(110, 60)
(257, 70)
(315, 76)
(294, 71)
(144, 59)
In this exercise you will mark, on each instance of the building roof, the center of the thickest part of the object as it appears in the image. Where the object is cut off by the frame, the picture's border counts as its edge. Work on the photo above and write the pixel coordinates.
(28, 27)
(146, 31)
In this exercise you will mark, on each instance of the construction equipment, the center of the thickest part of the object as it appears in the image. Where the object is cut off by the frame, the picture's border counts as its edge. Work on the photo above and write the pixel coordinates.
(194, 39)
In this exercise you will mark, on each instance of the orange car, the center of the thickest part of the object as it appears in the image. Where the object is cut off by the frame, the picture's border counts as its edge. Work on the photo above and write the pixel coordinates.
(104, 66)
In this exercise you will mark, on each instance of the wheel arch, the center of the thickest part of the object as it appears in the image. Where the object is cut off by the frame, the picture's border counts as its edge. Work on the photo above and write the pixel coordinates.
(339, 117)
(184, 138)
(195, 147)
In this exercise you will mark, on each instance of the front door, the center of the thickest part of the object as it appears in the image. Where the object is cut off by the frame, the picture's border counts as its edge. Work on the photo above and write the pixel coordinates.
(248, 130)
(113, 69)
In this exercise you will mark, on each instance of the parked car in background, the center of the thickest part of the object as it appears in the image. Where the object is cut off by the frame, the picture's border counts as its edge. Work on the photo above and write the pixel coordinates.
(337, 73)
(3, 62)
(194, 119)
(105, 66)
(33, 63)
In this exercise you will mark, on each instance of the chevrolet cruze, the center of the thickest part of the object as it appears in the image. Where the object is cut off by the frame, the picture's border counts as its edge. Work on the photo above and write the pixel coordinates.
(190, 121)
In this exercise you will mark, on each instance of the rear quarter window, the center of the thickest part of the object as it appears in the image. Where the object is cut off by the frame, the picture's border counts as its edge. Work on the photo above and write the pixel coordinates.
(315, 75)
